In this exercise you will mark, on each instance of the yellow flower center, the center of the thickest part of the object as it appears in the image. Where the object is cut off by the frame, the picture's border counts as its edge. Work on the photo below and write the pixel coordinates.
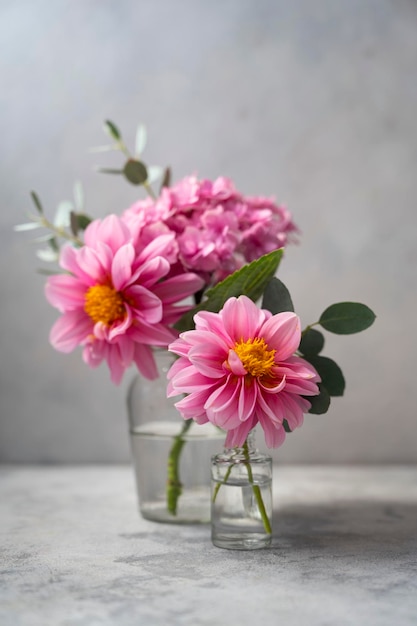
(255, 356)
(104, 304)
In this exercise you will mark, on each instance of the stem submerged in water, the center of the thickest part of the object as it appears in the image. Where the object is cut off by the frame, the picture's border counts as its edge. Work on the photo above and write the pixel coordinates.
(174, 485)
(257, 492)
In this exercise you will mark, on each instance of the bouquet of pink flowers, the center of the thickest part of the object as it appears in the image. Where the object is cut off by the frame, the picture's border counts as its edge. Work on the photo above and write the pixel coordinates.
(123, 287)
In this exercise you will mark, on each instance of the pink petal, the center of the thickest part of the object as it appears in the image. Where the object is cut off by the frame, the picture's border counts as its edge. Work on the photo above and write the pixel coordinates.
(151, 334)
(150, 272)
(247, 399)
(188, 380)
(65, 292)
(145, 361)
(70, 330)
(68, 260)
(120, 327)
(274, 433)
(237, 436)
(178, 287)
(121, 269)
(157, 247)
(192, 406)
(146, 305)
(111, 231)
(241, 318)
(115, 363)
(283, 333)
(93, 263)
(235, 364)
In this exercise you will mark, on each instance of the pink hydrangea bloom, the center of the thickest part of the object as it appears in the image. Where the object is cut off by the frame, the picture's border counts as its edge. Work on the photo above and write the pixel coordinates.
(114, 301)
(238, 369)
(217, 229)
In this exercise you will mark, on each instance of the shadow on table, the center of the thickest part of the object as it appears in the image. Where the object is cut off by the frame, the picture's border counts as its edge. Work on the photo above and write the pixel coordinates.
(386, 527)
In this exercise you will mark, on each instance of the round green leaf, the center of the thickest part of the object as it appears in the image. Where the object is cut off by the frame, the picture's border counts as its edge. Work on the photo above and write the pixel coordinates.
(319, 404)
(312, 342)
(330, 373)
(135, 172)
(276, 298)
(346, 318)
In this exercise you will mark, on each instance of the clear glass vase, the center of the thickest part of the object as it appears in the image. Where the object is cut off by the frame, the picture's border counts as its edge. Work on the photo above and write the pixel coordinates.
(171, 457)
(241, 498)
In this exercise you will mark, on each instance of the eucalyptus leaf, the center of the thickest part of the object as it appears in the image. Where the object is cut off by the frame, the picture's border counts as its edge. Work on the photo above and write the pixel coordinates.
(43, 238)
(79, 221)
(62, 216)
(112, 130)
(140, 141)
(135, 172)
(345, 318)
(319, 404)
(154, 173)
(102, 149)
(83, 220)
(74, 223)
(312, 342)
(108, 170)
(36, 202)
(250, 281)
(166, 181)
(330, 373)
(47, 254)
(27, 226)
(276, 297)
(78, 195)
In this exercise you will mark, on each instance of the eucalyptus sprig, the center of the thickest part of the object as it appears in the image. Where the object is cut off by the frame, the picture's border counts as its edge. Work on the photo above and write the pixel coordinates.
(342, 318)
(134, 169)
(69, 220)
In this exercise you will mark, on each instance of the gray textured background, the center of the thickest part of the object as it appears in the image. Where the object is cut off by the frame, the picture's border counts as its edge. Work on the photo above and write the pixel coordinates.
(314, 102)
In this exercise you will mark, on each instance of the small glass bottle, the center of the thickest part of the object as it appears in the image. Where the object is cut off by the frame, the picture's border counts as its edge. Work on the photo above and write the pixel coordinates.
(241, 498)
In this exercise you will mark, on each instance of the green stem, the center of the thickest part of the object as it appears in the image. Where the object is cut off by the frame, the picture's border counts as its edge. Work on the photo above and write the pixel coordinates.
(58, 231)
(224, 481)
(257, 492)
(174, 485)
(307, 328)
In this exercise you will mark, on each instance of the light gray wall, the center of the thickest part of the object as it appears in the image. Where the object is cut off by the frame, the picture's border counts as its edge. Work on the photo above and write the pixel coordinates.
(314, 102)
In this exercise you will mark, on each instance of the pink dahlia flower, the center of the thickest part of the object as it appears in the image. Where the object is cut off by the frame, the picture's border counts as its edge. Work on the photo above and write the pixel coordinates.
(114, 301)
(238, 368)
(217, 229)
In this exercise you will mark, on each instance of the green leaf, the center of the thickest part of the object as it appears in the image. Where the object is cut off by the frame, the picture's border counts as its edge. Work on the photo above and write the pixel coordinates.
(102, 149)
(37, 202)
(345, 318)
(112, 130)
(166, 181)
(108, 170)
(154, 173)
(140, 141)
(276, 297)
(83, 220)
(330, 374)
(79, 221)
(250, 281)
(78, 195)
(312, 342)
(62, 215)
(135, 172)
(286, 426)
(319, 404)
(27, 226)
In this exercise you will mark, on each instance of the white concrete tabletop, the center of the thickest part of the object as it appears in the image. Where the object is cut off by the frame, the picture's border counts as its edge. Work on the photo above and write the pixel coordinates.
(75, 552)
